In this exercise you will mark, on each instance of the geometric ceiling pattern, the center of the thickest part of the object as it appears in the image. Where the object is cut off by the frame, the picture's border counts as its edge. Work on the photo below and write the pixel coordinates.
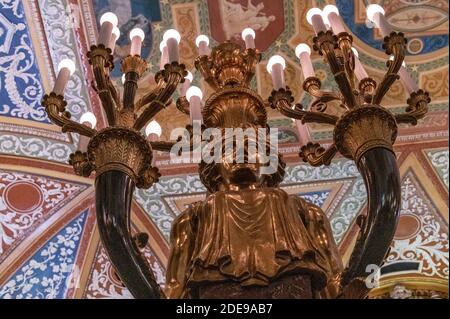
(49, 242)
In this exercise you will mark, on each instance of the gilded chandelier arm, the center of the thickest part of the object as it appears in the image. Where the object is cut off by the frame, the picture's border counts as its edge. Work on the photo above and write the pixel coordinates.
(81, 164)
(183, 105)
(102, 62)
(345, 42)
(394, 44)
(162, 146)
(326, 43)
(282, 101)
(108, 105)
(174, 74)
(133, 66)
(55, 106)
(151, 96)
(114, 93)
(312, 85)
(316, 155)
(418, 107)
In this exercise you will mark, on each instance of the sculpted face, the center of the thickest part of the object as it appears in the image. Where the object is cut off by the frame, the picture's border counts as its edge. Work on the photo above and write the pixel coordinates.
(241, 171)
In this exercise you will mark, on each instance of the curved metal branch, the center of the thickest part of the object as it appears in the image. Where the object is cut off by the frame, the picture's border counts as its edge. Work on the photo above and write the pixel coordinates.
(418, 107)
(100, 59)
(151, 96)
(282, 99)
(305, 116)
(326, 43)
(133, 66)
(114, 192)
(313, 85)
(382, 180)
(394, 44)
(162, 146)
(183, 105)
(108, 104)
(55, 106)
(173, 75)
(345, 42)
(316, 155)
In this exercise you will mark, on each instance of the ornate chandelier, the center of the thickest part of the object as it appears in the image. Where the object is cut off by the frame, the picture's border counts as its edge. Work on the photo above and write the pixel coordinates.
(248, 238)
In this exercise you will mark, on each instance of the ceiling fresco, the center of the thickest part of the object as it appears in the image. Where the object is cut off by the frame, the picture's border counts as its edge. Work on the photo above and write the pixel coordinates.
(49, 243)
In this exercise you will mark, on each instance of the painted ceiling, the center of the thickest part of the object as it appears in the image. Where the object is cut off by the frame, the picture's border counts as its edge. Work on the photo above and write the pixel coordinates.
(49, 243)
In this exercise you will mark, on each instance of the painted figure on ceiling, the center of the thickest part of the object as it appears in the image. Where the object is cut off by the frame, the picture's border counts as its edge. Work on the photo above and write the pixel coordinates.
(237, 17)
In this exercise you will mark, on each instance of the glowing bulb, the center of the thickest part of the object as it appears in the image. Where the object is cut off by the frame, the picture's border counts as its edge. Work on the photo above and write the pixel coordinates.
(162, 45)
(109, 17)
(391, 58)
(114, 36)
(67, 64)
(372, 10)
(301, 48)
(359, 71)
(201, 38)
(153, 128)
(90, 118)
(312, 12)
(248, 31)
(189, 76)
(330, 8)
(172, 38)
(116, 32)
(194, 91)
(276, 59)
(123, 78)
(137, 32)
(172, 34)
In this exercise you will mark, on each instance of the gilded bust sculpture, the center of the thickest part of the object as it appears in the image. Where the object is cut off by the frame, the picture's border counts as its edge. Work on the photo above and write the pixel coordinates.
(250, 239)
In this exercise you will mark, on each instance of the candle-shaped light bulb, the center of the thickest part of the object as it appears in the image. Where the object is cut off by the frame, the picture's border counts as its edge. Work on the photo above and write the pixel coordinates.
(275, 67)
(202, 42)
(187, 83)
(90, 120)
(303, 52)
(107, 23)
(408, 83)
(194, 95)
(114, 36)
(153, 131)
(172, 38)
(331, 14)
(360, 72)
(123, 78)
(375, 13)
(326, 21)
(315, 18)
(66, 69)
(164, 55)
(248, 35)
(137, 35)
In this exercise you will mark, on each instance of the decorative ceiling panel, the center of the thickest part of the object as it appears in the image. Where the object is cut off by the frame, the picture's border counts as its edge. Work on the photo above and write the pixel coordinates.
(47, 274)
(27, 201)
(20, 83)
